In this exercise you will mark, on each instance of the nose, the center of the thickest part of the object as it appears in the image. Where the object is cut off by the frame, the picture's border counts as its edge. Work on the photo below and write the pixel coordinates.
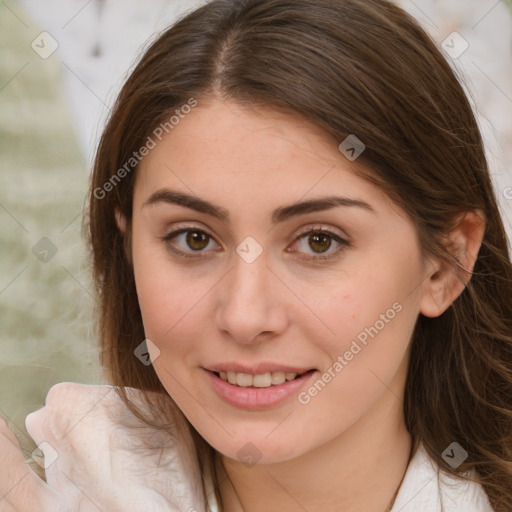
(250, 304)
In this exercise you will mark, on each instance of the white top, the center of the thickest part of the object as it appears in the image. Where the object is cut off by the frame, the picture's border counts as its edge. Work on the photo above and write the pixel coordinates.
(95, 449)
(421, 491)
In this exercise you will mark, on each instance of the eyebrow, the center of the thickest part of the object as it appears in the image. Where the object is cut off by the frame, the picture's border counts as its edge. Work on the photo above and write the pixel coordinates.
(280, 214)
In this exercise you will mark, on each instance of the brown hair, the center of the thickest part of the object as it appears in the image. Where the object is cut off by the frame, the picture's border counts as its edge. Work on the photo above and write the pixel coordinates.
(361, 67)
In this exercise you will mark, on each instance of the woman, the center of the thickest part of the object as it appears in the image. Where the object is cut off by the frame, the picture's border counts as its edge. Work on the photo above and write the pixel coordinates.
(301, 264)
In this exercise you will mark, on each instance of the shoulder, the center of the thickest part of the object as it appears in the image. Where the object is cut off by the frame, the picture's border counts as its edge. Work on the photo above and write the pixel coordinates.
(427, 487)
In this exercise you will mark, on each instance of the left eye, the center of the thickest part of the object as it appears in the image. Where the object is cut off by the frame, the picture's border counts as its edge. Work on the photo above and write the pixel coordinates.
(320, 241)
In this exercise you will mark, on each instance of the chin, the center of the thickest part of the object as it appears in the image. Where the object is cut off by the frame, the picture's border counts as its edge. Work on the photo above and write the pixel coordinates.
(258, 450)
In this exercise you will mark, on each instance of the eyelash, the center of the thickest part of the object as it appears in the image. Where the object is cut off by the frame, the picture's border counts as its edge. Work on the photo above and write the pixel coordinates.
(315, 230)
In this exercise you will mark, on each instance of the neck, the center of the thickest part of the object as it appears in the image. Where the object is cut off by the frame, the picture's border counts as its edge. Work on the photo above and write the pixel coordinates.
(360, 469)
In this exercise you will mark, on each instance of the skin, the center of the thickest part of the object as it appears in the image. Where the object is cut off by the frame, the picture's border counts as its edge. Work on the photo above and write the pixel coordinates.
(283, 307)
(350, 437)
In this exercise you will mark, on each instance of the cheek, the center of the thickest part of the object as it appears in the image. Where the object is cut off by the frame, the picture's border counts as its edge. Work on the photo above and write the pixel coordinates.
(170, 311)
(369, 302)
(168, 298)
(366, 363)
(372, 316)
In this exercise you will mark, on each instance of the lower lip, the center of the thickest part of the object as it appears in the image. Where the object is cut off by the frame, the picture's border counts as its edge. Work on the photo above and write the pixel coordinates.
(257, 398)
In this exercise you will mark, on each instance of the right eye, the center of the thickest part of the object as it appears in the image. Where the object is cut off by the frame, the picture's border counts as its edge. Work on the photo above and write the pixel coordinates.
(189, 240)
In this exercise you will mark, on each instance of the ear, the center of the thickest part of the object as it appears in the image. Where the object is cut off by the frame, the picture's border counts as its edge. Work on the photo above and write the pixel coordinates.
(120, 220)
(448, 279)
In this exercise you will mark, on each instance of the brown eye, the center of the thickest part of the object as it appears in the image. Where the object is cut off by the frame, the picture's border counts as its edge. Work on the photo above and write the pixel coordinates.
(319, 242)
(184, 242)
(196, 240)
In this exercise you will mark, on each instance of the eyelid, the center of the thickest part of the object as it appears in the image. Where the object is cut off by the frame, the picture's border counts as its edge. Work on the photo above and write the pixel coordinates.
(183, 227)
(322, 228)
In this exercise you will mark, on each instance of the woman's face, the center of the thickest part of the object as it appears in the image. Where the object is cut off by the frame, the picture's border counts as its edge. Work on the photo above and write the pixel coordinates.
(236, 273)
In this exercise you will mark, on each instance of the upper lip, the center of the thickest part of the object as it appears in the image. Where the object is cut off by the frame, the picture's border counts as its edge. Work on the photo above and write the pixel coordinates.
(256, 369)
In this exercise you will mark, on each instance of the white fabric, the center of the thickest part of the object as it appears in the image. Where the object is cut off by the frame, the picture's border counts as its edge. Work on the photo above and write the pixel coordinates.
(101, 456)
(422, 491)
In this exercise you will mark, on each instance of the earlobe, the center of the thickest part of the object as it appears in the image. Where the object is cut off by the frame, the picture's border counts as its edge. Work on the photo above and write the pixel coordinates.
(120, 221)
(440, 292)
(448, 278)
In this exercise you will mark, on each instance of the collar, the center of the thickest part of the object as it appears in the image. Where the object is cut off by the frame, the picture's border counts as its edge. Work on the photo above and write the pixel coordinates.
(426, 487)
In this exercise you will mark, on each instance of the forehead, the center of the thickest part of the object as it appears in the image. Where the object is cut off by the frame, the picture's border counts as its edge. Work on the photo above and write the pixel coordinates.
(249, 157)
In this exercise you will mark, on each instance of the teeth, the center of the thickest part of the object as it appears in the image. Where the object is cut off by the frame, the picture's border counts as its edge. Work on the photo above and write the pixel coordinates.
(279, 377)
(261, 380)
(244, 379)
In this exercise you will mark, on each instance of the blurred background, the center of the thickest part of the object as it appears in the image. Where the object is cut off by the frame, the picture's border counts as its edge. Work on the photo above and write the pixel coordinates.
(62, 63)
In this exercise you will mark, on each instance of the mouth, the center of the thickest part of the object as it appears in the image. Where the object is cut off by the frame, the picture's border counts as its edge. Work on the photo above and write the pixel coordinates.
(257, 391)
(260, 380)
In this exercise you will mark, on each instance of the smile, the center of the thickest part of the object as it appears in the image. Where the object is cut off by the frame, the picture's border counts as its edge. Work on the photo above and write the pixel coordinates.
(259, 390)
